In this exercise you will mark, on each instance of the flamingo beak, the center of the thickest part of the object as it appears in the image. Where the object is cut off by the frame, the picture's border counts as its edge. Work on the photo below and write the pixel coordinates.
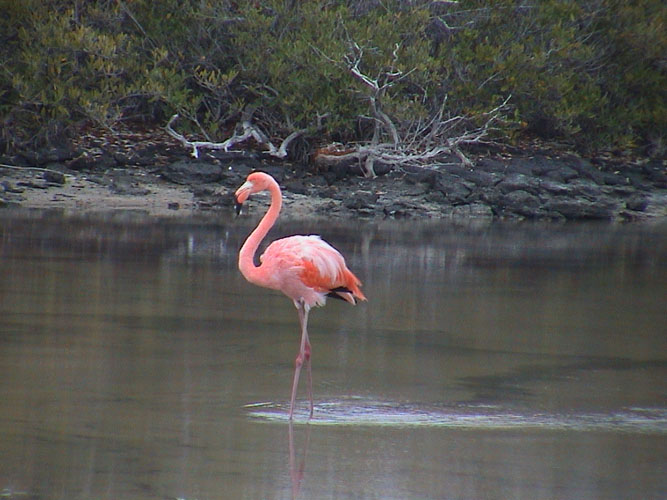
(242, 195)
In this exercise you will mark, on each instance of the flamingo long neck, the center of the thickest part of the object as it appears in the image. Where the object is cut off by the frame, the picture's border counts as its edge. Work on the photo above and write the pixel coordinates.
(247, 254)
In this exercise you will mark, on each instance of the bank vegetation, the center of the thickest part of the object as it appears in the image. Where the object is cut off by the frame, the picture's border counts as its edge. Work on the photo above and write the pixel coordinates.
(394, 81)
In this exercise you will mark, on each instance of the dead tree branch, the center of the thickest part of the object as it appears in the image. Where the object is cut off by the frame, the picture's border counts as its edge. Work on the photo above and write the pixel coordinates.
(420, 142)
(248, 131)
(375, 95)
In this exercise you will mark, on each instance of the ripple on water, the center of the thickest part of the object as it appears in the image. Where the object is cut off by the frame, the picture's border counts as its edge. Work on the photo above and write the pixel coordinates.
(362, 412)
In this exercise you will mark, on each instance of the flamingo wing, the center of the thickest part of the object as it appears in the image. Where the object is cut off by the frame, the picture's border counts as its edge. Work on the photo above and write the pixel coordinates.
(308, 268)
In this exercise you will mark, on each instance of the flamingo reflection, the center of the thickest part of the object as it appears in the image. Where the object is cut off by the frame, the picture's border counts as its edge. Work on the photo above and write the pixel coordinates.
(297, 473)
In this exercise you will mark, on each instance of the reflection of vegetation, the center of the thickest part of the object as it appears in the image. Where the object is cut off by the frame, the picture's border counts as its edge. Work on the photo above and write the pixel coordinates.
(592, 73)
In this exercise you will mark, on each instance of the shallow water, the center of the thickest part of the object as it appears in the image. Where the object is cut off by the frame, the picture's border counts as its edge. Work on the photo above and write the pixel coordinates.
(492, 361)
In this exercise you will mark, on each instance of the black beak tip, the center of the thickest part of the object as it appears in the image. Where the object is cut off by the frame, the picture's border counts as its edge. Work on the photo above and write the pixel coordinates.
(238, 206)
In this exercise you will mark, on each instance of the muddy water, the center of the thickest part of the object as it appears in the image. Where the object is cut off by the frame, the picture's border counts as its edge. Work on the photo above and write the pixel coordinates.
(494, 361)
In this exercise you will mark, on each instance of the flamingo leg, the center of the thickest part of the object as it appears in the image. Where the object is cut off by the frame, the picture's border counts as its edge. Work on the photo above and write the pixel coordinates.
(304, 355)
(310, 375)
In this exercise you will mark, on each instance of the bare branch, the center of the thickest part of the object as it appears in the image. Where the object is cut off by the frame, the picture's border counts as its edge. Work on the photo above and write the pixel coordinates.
(195, 145)
(423, 143)
(282, 150)
(249, 131)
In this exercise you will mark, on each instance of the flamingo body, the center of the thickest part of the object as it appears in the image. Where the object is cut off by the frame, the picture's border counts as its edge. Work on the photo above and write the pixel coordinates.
(305, 268)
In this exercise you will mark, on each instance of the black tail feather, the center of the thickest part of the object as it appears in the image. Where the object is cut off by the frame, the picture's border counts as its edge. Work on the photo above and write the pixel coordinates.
(334, 292)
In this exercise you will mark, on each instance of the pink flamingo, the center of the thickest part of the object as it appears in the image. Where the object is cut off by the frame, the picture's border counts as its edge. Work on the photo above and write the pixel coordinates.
(305, 268)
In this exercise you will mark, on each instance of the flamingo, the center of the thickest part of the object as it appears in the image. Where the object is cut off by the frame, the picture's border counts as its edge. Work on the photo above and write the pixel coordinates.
(305, 268)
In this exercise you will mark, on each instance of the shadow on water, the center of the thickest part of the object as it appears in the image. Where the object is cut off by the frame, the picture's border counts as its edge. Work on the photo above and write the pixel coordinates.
(491, 361)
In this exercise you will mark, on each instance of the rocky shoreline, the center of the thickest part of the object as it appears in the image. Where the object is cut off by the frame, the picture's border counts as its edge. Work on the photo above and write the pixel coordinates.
(153, 174)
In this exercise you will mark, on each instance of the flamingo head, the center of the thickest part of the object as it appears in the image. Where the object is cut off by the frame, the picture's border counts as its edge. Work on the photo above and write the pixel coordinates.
(256, 182)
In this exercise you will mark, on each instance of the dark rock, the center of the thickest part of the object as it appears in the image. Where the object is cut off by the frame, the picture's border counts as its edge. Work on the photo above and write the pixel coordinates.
(143, 157)
(88, 161)
(320, 181)
(490, 166)
(477, 195)
(331, 176)
(520, 166)
(338, 171)
(518, 182)
(328, 208)
(555, 188)
(334, 193)
(295, 186)
(192, 172)
(396, 210)
(415, 190)
(234, 175)
(542, 167)
(456, 194)
(585, 188)
(656, 172)
(8, 187)
(83, 162)
(637, 202)
(33, 184)
(436, 197)
(361, 200)
(562, 174)
(8, 202)
(586, 169)
(473, 210)
(381, 168)
(47, 155)
(276, 171)
(456, 170)
(54, 177)
(102, 180)
(521, 202)
(200, 191)
(174, 205)
(611, 179)
(578, 209)
(482, 179)
(427, 176)
(225, 200)
(622, 191)
(351, 167)
(639, 181)
(15, 160)
(125, 185)
(451, 185)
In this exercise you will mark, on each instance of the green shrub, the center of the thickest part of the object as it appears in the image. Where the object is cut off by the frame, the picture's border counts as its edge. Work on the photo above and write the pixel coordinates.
(590, 73)
(296, 68)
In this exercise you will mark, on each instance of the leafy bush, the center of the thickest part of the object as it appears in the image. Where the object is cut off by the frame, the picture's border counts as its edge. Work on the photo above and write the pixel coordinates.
(591, 73)
(296, 70)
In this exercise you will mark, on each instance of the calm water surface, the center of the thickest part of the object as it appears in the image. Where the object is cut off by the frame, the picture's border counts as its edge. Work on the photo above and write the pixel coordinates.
(491, 362)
